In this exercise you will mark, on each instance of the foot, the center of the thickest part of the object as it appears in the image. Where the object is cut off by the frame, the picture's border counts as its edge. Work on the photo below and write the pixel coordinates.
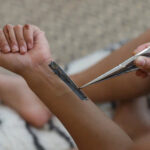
(15, 93)
(134, 117)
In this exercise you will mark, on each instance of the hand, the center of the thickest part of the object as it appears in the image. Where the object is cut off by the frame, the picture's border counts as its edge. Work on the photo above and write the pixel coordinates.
(142, 62)
(16, 41)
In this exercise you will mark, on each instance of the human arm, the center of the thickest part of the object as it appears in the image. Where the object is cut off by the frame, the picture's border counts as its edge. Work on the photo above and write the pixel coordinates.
(127, 86)
(89, 127)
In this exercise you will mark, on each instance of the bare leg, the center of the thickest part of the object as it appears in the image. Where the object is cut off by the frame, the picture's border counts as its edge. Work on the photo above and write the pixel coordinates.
(141, 144)
(15, 93)
(124, 87)
(133, 117)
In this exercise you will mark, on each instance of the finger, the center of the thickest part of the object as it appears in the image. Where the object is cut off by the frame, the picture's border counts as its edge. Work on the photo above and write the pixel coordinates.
(39, 38)
(4, 46)
(144, 75)
(20, 39)
(141, 73)
(141, 47)
(11, 38)
(143, 63)
(40, 41)
(138, 72)
(28, 35)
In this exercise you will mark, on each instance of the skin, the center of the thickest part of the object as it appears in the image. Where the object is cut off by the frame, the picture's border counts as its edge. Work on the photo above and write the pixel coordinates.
(35, 116)
(120, 89)
(35, 67)
(14, 39)
(115, 88)
(133, 117)
(27, 42)
(22, 99)
(141, 144)
(135, 111)
(94, 133)
(143, 62)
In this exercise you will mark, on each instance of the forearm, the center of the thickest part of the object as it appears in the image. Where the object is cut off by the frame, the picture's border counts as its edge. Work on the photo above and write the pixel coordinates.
(124, 87)
(89, 127)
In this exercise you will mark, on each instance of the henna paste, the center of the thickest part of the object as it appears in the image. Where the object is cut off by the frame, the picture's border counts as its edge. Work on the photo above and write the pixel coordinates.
(63, 76)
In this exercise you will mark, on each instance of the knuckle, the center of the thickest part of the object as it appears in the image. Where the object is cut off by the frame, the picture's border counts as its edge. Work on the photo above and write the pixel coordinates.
(17, 27)
(29, 40)
(21, 40)
(13, 42)
(8, 26)
(3, 44)
(27, 26)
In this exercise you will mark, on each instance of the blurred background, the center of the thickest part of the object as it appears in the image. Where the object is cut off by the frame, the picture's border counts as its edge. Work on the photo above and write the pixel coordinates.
(75, 28)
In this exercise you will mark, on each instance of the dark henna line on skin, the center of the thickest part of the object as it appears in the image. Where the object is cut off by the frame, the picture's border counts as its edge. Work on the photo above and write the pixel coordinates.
(63, 76)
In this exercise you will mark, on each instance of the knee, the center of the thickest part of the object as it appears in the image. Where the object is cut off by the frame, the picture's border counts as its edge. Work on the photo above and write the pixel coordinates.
(142, 144)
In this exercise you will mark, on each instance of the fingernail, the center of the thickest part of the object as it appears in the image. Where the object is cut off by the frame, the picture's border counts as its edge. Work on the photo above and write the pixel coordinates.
(6, 48)
(140, 61)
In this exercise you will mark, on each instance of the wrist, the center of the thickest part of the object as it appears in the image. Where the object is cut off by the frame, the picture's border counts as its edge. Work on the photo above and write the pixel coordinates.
(55, 78)
(32, 67)
(42, 74)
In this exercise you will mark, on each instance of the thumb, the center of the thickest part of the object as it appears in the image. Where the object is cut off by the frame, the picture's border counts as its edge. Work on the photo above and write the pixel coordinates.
(141, 47)
(40, 40)
(143, 63)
